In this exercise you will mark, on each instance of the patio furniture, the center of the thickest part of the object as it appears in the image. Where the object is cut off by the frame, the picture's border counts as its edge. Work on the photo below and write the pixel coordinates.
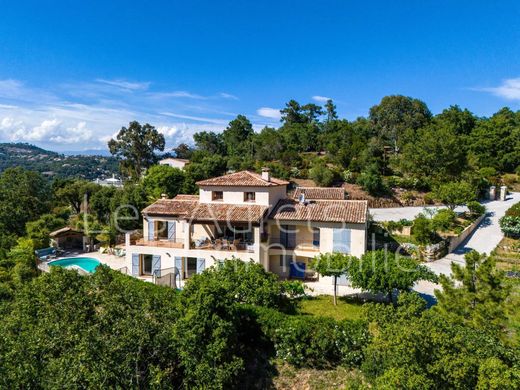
(45, 254)
(218, 244)
(225, 244)
(235, 245)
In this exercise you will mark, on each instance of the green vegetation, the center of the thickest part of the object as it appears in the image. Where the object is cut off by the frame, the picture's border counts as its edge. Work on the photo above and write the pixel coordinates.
(345, 309)
(55, 165)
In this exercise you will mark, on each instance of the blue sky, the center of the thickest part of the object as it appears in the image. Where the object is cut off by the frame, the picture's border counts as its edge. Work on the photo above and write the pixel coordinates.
(72, 73)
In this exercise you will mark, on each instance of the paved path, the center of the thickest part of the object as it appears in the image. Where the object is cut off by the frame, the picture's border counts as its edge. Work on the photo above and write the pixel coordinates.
(484, 239)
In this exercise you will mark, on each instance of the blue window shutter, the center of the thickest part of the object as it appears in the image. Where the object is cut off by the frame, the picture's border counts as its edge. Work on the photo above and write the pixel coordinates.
(178, 265)
(156, 265)
(283, 235)
(291, 238)
(171, 230)
(201, 265)
(151, 230)
(135, 264)
(316, 237)
(341, 240)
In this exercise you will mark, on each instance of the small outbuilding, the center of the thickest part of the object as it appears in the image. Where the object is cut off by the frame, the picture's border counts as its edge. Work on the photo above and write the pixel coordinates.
(69, 239)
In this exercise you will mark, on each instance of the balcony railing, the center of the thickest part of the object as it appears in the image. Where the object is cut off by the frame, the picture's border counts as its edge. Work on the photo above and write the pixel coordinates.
(298, 244)
(223, 245)
(177, 243)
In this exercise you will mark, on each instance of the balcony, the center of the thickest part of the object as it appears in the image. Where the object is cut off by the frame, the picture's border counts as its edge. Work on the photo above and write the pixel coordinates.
(236, 245)
(298, 244)
(177, 243)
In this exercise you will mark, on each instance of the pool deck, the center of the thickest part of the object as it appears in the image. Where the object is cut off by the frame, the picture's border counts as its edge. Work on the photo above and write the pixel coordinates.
(114, 262)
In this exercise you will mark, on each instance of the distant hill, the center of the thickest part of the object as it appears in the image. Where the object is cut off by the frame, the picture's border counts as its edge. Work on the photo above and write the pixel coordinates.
(52, 164)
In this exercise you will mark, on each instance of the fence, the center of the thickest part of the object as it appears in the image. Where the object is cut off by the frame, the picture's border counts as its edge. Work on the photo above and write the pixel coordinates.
(167, 277)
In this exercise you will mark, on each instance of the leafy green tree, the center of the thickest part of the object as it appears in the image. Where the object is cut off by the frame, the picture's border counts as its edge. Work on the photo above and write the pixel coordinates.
(396, 114)
(330, 109)
(163, 179)
(383, 272)
(462, 122)
(321, 174)
(332, 264)
(423, 230)
(210, 142)
(292, 113)
(136, 146)
(24, 196)
(76, 193)
(183, 151)
(495, 142)
(237, 136)
(372, 181)
(436, 153)
(475, 295)
(38, 231)
(455, 194)
(243, 282)
(268, 144)
(101, 202)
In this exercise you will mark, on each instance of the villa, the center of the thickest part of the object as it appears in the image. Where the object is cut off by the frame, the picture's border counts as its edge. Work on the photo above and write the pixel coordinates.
(248, 216)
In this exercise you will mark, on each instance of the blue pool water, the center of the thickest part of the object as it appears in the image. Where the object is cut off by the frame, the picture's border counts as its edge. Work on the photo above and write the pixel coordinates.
(87, 263)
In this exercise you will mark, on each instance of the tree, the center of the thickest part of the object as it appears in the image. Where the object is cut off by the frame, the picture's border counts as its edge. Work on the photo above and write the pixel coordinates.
(292, 113)
(476, 294)
(332, 264)
(462, 122)
(210, 142)
(183, 151)
(383, 272)
(395, 114)
(136, 146)
(455, 194)
(163, 179)
(321, 175)
(372, 181)
(436, 153)
(423, 230)
(76, 193)
(330, 109)
(238, 136)
(24, 196)
(38, 231)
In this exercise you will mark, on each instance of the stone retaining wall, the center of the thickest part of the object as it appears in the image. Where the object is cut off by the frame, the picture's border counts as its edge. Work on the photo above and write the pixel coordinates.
(454, 242)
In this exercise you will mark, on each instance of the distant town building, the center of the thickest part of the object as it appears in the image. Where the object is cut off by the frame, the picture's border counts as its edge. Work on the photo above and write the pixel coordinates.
(110, 182)
(174, 162)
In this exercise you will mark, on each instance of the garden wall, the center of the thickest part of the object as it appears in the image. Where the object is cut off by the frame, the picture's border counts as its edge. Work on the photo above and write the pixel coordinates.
(456, 241)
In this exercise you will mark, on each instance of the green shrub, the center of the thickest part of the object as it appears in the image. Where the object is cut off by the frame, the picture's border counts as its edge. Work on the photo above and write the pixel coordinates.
(510, 226)
(476, 208)
(509, 179)
(422, 230)
(444, 220)
(318, 342)
(322, 175)
(514, 210)
(294, 289)
(372, 181)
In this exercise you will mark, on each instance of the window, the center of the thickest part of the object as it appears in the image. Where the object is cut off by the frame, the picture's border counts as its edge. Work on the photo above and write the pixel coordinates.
(146, 264)
(217, 195)
(315, 237)
(162, 230)
(249, 196)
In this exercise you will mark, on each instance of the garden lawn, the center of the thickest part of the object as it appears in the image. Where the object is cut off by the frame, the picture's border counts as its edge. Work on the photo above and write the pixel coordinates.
(323, 305)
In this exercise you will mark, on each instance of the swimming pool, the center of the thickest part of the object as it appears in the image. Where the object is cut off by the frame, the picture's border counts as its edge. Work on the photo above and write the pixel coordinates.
(86, 263)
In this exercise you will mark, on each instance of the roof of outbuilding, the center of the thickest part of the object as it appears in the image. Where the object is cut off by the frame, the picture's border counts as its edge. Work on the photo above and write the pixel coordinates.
(346, 211)
(244, 179)
(324, 193)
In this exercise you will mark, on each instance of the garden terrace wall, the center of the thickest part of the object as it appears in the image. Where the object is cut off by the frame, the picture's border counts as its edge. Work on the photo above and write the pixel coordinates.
(454, 242)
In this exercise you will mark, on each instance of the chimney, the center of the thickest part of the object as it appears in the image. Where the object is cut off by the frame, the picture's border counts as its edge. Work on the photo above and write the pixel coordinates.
(164, 196)
(266, 174)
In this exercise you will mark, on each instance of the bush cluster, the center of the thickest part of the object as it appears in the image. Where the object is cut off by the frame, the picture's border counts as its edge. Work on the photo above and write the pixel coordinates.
(313, 341)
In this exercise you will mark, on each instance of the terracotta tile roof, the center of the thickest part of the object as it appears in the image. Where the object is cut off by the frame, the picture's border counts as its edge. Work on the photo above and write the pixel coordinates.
(242, 178)
(325, 193)
(188, 207)
(348, 211)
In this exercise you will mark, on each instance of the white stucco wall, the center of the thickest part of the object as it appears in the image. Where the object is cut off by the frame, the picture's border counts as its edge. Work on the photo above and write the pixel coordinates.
(265, 196)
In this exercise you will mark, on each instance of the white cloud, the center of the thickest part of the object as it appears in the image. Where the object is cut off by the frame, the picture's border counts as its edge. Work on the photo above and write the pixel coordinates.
(509, 89)
(124, 84)
(267, 112)
(228, 96)
(176, 94)
(320, 99)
